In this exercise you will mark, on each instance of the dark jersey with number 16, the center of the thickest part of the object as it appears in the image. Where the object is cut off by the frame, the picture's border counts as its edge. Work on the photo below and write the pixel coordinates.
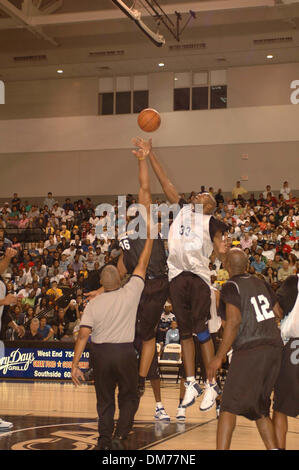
(255, 299)
(132, 250)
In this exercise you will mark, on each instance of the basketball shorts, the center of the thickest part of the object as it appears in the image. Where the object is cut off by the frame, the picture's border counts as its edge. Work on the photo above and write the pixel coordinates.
(191, 301)
(286, 390)
(250, 381)
(153, 298)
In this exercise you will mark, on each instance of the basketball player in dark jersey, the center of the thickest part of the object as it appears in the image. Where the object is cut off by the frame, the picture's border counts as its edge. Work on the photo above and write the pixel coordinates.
(248, 306)
(189, 275)
(156, 289)
(286, 390)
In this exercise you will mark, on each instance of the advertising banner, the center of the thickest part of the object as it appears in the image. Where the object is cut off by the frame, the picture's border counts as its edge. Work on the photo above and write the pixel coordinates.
(39, 363)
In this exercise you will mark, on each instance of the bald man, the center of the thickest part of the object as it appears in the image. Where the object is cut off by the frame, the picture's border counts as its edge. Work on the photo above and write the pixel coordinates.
(110, 318)
(191, 241)
(248, 307)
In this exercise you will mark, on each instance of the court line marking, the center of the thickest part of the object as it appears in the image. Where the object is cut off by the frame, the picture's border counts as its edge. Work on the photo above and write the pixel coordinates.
(8, 433)
(149, 446)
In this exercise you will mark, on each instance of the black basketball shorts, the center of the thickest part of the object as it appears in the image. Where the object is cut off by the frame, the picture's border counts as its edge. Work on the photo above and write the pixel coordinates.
(153, 298)
(191, 301)
(250, 381)
(286, 390)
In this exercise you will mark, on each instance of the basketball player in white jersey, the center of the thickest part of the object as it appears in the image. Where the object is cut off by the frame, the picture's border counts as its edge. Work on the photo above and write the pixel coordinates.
(189, 275)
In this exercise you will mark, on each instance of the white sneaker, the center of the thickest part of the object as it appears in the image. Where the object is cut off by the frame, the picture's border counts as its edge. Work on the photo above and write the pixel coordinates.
(209, 399)
(193, 391)
(4, 425)
(161, 414)
(181, 414)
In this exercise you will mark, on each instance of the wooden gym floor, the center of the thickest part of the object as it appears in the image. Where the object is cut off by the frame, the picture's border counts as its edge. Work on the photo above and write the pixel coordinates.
(53, 415)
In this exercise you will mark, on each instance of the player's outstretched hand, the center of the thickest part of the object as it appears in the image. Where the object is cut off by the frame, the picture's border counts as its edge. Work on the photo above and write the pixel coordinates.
(144, 147)
(10, 299)
(77, 376)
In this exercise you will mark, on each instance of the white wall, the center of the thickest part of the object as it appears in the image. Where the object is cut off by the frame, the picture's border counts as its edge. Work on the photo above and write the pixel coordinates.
(263, 85)
(46, 98)
(114, 171)
(57, 142)
(178, 129)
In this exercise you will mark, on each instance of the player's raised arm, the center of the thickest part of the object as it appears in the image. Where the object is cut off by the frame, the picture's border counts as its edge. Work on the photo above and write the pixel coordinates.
(168, 188)
(144, 258)
(144, 195)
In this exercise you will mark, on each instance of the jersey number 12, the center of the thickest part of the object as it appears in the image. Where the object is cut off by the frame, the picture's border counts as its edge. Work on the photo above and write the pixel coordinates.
(262, 308)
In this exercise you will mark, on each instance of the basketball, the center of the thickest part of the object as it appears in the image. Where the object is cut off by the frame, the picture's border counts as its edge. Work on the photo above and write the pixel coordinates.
(149, 120)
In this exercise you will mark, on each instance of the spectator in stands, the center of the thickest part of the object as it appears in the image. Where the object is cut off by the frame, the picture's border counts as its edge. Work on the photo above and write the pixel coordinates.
(295, 250)
(292, 262)
(285, 271)
(268, 251)
(49, 201)
(258, 264)
(219, 197)
(246, 241)
(285, 190)
(222, 274)
(72, 314)
(238, 190)
(24, 221)
(33, 334)
(62, 324)
(172, 335)
(55, 291)
(44, 329)
(165, 322)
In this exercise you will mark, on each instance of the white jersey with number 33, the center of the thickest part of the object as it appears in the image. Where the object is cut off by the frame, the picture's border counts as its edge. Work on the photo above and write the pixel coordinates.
(190, 244)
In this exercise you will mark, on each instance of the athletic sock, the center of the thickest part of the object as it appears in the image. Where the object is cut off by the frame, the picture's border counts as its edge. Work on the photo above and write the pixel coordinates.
(141, 380)
(190, 379)
(159, 404)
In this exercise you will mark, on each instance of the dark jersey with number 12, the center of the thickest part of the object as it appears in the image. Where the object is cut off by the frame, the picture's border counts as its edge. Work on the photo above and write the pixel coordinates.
(255, 299)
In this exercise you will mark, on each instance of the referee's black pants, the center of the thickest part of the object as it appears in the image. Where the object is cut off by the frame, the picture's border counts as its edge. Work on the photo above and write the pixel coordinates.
(115, 365)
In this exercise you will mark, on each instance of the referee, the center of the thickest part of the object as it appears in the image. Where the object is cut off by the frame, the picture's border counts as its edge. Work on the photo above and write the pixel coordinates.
(111, 318)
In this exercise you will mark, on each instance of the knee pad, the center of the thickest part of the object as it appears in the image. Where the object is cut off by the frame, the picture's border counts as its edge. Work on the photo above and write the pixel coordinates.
(204, 336)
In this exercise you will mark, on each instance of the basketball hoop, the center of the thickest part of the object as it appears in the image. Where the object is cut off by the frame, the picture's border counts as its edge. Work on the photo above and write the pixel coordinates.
(148, 16)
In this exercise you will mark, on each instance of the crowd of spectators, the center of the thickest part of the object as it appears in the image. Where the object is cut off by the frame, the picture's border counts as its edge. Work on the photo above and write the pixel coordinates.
(51, 275)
